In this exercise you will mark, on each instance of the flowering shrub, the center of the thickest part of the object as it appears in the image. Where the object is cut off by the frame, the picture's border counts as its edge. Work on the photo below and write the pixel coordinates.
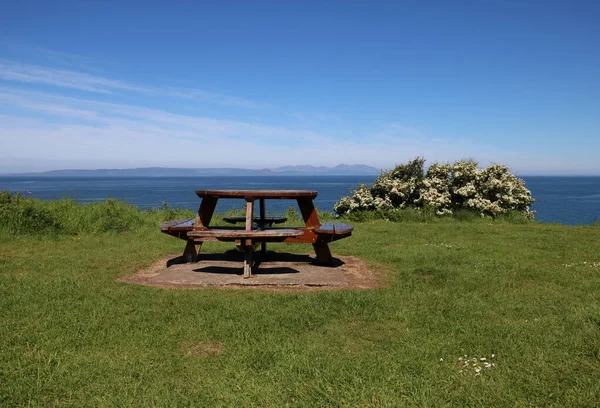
(444, 188)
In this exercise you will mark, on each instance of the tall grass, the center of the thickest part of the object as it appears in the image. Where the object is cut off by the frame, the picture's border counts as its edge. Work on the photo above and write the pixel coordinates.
(28, 216)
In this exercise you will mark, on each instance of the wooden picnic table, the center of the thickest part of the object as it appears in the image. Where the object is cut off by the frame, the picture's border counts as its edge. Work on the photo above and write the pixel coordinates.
(257, 230)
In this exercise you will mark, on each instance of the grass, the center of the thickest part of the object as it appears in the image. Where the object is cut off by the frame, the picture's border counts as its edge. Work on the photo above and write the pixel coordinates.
(72, 335)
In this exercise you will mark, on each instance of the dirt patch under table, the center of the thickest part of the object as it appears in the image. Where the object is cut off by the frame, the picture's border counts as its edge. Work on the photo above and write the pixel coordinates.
(278, 271)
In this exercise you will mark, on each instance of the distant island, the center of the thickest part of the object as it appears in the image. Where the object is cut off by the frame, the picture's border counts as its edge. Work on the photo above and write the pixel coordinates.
(339, 170)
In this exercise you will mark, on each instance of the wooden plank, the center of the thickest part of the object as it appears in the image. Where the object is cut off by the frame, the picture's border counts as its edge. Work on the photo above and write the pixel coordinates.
(242, 244)
(204, 239)
(168, 225)
(262, 211)
(308, 237)
(177, 228)
(263, 248)
(205, 212)
(257, 194)
(309, 213)
(240, 234)
(334, 228)
(266, 221)
(190, 253)
(323, 253)
(184, 226)
(249, 213)
(248, 263)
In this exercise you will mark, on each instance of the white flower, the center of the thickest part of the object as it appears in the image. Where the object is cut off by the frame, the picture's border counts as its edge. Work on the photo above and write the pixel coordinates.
(475, 365)
(444, 188)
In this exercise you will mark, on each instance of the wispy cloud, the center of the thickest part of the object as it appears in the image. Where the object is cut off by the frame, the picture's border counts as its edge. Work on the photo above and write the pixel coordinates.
(38, 102)
(65, 59)
(134, 135)
(14, 71)
(112, 114)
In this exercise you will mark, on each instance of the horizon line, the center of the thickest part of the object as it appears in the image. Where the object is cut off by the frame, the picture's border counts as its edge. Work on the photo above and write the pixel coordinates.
(282, 173)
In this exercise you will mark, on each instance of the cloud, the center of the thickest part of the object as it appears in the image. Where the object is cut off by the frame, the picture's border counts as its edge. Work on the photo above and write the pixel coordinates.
(37, 104)
(14, 71)
(103, 132)
(26, 73)
(151, 120)
(130, 120)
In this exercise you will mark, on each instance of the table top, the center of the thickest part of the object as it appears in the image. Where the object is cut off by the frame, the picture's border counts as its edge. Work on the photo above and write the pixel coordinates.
(281, 194)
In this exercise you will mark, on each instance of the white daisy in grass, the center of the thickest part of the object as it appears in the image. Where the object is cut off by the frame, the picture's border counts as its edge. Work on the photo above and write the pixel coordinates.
(476, 366)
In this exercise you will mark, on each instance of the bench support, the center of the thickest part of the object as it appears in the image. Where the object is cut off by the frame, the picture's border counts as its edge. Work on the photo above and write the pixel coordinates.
(248, 263)
(247, 246)
(190, 253)
(323, 253)
(205, 213)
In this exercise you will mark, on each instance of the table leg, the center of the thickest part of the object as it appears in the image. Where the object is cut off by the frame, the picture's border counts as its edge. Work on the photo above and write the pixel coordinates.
(205, 212)
(263, 247)
(309, 212)
(323, 253)
(190, 253)
(248, 263)
(249, 213)
(311, 220)
(202, 221)
(248, 248)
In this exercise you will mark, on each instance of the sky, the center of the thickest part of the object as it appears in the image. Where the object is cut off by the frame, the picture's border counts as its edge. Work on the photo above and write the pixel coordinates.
(105, 84)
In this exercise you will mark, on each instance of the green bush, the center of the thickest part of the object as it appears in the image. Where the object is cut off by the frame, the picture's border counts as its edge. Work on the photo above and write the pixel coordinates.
(23, 216)
(458, 189)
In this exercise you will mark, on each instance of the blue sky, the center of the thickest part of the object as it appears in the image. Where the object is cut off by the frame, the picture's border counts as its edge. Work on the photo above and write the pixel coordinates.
(264, 84)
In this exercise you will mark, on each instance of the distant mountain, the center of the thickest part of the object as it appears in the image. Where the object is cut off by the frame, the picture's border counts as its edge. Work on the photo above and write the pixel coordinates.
(339, 170)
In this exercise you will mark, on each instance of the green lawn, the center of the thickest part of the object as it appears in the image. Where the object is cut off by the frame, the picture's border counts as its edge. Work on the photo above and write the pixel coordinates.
(526, 294)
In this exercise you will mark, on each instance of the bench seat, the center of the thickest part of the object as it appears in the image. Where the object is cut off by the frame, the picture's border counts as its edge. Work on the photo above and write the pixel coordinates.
(326, 232)
(274, 234)
(177, 225)
(334, 228)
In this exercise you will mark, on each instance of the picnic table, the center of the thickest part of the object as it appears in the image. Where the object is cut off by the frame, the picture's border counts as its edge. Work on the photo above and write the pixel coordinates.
(256, 230)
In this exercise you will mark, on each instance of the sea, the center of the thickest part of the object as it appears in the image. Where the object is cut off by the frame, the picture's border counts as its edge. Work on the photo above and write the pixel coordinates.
(564, 200)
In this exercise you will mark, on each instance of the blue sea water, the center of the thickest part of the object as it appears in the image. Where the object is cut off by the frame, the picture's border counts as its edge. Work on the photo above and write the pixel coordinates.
(565, 200)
